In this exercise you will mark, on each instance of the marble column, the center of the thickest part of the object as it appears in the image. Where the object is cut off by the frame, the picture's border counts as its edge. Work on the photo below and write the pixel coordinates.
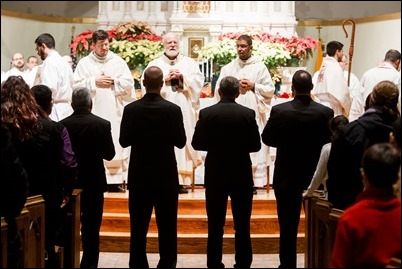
(127, 11)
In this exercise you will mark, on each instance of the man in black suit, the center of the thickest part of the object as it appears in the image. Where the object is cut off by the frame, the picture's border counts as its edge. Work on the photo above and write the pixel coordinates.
(228, 132)
(298, 129)
(92, 143)
(153, 126)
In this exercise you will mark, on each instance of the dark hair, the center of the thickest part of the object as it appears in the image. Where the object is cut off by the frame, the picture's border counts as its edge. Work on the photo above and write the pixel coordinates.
(367, 104)
(333, 46)
(381, 163)
(32, 56)
(396, 130)
(46, 39)
(336, 124)
(302, 81)
(384, 97)
(229, 87)
(392, 55)
(246, 38)
(43, 95)
(99, 35)
(19, 108)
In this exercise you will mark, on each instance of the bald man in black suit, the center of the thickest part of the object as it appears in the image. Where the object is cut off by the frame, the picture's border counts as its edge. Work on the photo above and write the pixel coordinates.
(298, 129)
(153, 126)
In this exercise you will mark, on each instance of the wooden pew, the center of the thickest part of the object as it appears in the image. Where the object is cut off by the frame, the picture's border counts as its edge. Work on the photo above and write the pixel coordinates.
(36, 235)
(394, 263)
(31, 228)
(31, 235)
(4, 243)
(23, 229)
(321, 222)
(72, 248)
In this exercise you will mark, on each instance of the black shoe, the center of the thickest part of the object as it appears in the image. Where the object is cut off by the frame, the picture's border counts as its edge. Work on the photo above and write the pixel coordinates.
(254, 190)
(182, 189)
(121, 189)
(115, 188)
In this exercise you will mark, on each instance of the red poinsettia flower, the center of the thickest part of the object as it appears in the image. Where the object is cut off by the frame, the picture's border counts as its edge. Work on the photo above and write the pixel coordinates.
(299, 47)
(130, 31)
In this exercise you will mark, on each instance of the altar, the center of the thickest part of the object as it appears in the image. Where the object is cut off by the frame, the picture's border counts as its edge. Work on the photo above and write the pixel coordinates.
(199, 22)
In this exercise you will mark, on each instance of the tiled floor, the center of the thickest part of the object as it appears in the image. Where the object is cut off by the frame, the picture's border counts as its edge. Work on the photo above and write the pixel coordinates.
(120, 260)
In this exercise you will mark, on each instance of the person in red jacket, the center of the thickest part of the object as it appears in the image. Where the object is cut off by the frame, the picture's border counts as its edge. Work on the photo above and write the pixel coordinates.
(369, 232)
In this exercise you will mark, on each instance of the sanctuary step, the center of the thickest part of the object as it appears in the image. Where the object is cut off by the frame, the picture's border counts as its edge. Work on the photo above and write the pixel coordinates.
(192, 225)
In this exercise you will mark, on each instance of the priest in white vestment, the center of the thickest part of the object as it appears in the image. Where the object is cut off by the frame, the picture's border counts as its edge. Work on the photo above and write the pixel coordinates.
(111, 83)
(356, 89)
(386, 70)
(183, 83)
(256, 92)
(19, 69)
(331, 88)
(57, 75)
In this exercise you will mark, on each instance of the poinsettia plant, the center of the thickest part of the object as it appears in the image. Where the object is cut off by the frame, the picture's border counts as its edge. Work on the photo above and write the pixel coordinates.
(81, 44)
(135, 42)
(268, 47)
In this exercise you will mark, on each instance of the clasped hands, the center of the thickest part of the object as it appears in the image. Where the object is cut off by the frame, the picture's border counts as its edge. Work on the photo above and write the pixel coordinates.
(245, 85)
(104, 81)
(174, 74)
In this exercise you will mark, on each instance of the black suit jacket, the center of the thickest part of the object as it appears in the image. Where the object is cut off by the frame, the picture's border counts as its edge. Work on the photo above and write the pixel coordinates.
(228, 132)
(152, 126)
(298, 129)
(91, 139)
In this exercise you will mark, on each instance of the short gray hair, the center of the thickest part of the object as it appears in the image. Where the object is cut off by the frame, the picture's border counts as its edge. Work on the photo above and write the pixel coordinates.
(81, 98)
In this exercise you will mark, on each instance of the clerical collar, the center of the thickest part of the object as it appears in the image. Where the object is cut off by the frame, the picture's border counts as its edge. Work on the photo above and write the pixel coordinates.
(99, 58)
(172, 61)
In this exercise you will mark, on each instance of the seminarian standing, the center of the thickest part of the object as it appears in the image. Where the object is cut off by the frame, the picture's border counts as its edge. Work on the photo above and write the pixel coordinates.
(298, 129)
(229, 132)
(92, 143)
(153, 126)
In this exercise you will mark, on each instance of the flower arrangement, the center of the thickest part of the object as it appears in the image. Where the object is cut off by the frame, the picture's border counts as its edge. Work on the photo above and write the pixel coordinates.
(206, 91)
(222, 52)
(135, 42)
(272, 54)
(82, 43)
(206, 94)
(298, 47)
(137, 53)
(274, 50)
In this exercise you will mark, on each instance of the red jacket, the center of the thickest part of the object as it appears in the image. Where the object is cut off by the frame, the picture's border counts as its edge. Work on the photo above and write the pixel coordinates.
(369, 232)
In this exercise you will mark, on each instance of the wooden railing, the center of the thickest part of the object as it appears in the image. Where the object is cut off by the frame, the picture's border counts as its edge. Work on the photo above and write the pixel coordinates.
(4, 243)
(394, 263)
(72, 248)
(31, 229)
(23, 229)
(36, 232)
(321, 222)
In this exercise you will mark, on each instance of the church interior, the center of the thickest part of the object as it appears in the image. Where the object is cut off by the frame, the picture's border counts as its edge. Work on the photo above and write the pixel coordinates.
(199, 23)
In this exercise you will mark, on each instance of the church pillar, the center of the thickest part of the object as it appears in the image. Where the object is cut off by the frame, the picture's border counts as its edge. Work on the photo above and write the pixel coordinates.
(127, 11)
(102, 16)
(151, 12)
(212, 9)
